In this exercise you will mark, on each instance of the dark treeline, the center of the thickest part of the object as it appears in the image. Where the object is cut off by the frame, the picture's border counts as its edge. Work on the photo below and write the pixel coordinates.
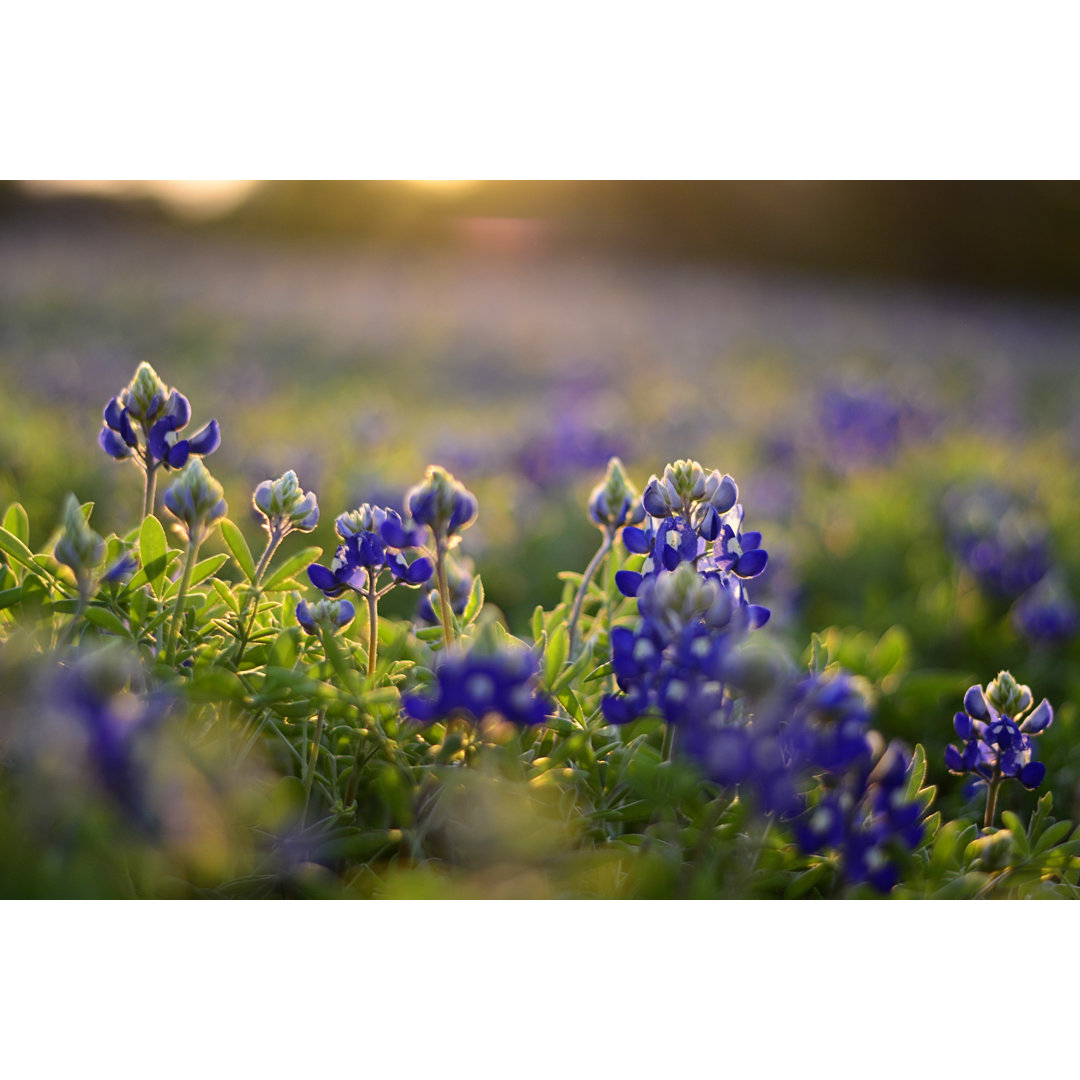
(995, 235)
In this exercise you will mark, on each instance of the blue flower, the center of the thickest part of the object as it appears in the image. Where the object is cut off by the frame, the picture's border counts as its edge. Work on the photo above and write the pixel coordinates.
(373, 540)
(995, 744)
(472, 687)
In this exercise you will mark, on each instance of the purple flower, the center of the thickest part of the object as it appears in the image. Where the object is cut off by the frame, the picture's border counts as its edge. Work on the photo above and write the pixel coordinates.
(472, 687)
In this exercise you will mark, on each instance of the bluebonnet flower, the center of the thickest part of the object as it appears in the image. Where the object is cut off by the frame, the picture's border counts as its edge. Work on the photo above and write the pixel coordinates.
(113, 722)
(865, 817)
(285, 506)
(144, 421)
(860, 425)
(614, 502)
(373, 540)
(1046, 613)
(328, 615)
(473, 686)
(570, 443)
(441, 503)
(996, 735)
(1005, 548)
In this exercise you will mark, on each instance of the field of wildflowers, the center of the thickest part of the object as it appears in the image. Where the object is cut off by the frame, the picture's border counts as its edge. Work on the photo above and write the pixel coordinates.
(589, 580)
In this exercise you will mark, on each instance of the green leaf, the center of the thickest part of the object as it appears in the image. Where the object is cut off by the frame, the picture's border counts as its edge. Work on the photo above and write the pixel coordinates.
(558, 647)
(238, 546)
(10, 596)
(17, 522)
(107, 620)
(891, 652)
(154, 553)
(290, 566)
(819, 654)
(430, 633)
(916, 773)
(228, 597)
(1058, 831)
(476, 602)
(1012, 823)
(22, 554)
(537, 622)
(600, 672)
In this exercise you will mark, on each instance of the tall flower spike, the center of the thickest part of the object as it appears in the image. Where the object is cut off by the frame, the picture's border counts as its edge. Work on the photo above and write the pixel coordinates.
(144, 421)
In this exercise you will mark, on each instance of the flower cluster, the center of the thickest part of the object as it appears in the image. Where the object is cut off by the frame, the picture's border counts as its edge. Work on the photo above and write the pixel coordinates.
(866, 818)
(1046, 613)
(144, 421)
(373, 540)
(1004, 547)
(688, 510)
(441, 503)
(996, 733)
(472, 686)
(285, 506)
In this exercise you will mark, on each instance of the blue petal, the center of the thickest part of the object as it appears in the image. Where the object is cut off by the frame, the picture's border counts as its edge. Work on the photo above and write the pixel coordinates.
(159, 445)
(975, 703)
(178, 454)
(1040, 719)
(113, 445)
(637, 541)
(207, 440)
(177, 410)
(324, 580)
(303, 617)
(751, 563)
(953, 761)
(749, 541)
(628, 582)
(112, 413)
(963, 725)
(653, 502)
(420, 570)
(1031, 775)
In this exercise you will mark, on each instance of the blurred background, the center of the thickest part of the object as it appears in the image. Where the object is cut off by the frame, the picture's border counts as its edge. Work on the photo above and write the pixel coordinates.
(887, 369)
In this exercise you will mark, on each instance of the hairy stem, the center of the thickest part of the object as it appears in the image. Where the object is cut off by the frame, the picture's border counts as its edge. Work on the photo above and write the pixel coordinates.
(992, 798)
(590, 570)
(373, 629)
(312, 761)
(444, 593)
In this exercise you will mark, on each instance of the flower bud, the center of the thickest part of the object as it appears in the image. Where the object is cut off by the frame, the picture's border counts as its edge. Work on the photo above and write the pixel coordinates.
(196, 498)
(328, 615)
(285, 505)
(615, 502)
(442, 503)
(146, 396)
(79, 547)
(1007, 695)
(684, 596)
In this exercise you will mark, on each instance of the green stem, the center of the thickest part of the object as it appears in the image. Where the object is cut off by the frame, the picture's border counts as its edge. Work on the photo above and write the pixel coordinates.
(312, 761)
(246, 624)
(444, 593)
(373, 629)
(194, 542)
(148, 491)
(992, 798)
(590, 570)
